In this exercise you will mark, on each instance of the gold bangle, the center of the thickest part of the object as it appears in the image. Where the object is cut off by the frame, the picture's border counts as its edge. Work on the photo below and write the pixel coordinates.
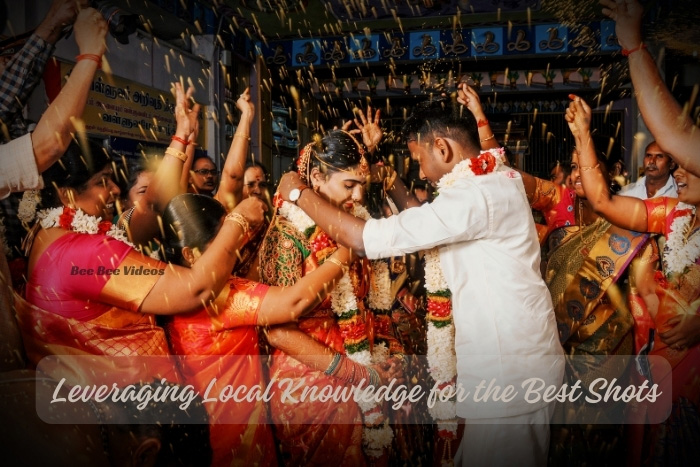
(239, 219)
(247, 137)
(176, 154)
(584, 169)
(338, 263)
(488, 138)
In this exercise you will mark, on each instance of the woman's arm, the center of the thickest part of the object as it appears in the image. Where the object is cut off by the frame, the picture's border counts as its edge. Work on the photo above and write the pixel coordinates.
(285, 304)
(469, 98)
(166, 183)
(189, 152)
(668, 122)
(53, 132)
(182, 290)
(623, 211)
(230, 190)
(290, 340)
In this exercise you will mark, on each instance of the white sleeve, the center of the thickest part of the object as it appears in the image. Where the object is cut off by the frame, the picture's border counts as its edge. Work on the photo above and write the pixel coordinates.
(457, 214)
(18, 170)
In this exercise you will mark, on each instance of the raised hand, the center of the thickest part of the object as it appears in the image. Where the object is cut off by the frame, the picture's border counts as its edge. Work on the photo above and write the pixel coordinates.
(194, 123)
(468, 97)
(627, 15)
(372, 132)
(90, 32)
(61, 14)
(245, 105)
(185, 116)
(578, 115)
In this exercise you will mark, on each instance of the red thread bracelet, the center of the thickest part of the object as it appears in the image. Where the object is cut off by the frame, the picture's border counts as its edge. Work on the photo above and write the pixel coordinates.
(482, 123)
(180, 140)
(95, 58)
(629, 52)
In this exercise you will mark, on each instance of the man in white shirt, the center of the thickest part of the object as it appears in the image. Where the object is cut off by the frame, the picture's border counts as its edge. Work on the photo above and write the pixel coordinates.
(657, 180)
(504, 321)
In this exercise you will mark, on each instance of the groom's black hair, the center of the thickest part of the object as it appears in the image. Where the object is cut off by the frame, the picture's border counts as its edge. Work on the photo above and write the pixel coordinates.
(442, 117)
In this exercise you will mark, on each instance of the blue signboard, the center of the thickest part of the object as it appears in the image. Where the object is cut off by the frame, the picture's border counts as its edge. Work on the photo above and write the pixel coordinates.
(393, 46)
(608, 38)
(520, 41)
(551, 38)
(424, 45)
(487, 41)
(584, 38)
(306, 52)
(456, 43)
(364, 48)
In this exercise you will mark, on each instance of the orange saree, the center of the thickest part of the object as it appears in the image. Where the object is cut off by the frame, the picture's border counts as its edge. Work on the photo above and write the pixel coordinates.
(221, 346)
(675, 442)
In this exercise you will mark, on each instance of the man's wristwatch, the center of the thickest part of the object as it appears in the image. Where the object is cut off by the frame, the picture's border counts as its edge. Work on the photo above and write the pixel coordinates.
(295, 194)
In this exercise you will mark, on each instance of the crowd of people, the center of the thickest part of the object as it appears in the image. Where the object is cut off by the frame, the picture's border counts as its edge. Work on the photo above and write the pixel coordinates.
(179, 275)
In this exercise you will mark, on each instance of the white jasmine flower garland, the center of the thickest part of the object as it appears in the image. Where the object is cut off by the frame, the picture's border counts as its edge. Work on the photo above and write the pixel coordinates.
(380, 289)
(377, 434)
(84, 223)
(81, 223)
(442, 360)
(678, 254)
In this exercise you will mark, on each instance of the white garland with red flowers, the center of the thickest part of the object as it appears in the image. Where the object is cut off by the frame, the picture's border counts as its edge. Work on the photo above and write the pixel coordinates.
(492, 160)
(442, 360)
(85, 223)
(679, 254)
(377, 433)
(81, 223)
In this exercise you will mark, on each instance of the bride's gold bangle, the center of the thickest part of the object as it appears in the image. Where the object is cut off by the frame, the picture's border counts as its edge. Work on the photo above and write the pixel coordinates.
(339, 263)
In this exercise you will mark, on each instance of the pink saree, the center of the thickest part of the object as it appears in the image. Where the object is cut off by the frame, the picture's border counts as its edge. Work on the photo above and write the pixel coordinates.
(76, 315)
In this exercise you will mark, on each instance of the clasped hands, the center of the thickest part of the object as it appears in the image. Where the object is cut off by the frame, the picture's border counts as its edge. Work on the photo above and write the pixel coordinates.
(392, 369)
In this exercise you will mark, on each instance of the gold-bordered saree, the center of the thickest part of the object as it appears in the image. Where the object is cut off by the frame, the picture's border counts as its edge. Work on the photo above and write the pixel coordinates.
(582, 276)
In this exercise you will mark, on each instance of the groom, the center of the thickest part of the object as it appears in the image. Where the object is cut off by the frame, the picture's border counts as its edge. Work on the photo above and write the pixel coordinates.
(490, 257)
